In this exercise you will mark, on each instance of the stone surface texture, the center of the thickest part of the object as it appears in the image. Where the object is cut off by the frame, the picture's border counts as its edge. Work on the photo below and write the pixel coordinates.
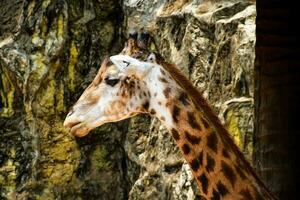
(50, 50)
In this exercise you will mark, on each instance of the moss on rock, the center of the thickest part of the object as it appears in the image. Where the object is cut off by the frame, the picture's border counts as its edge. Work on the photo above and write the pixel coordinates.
(71, 67)
(7, 92)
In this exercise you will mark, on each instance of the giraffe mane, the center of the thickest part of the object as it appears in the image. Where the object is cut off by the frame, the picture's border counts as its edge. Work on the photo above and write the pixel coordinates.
(202, 105)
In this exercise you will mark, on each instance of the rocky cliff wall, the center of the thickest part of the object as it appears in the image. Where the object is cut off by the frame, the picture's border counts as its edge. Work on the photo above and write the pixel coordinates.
(213, 44)
(49, 52)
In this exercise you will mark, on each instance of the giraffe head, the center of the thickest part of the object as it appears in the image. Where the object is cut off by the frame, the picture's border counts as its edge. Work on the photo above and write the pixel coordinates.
(119, 91)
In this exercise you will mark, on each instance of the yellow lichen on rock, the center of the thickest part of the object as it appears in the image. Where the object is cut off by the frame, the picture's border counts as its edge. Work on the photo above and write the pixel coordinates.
(46, 194)
(98, 158)
(71, 67)
(60, 27)
(44, 26)
(60, 106)
(47, 99)
(232, 126)
(8, 181)
(30, 8)
(50, 96)
(61, 153)
(35, 38)
(62, 174)
(39, 67)
(7, 96)
(46, 3)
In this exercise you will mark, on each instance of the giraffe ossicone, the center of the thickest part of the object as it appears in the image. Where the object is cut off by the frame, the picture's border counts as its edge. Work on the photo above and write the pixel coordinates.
(139, 81)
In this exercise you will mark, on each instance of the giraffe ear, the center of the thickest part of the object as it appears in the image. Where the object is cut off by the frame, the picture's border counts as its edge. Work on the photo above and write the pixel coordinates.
(131, 66)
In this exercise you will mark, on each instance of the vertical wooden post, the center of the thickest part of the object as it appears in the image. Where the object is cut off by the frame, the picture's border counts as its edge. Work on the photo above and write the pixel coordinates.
(277, 90)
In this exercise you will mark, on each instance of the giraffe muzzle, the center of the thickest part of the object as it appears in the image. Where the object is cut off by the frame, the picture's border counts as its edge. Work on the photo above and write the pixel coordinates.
(77, 128)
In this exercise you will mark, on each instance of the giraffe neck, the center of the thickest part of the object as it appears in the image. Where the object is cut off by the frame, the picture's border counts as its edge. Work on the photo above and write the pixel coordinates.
(218, 170)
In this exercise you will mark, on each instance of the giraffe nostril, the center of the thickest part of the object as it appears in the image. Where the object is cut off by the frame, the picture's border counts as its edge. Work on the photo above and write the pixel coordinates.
(71, 112)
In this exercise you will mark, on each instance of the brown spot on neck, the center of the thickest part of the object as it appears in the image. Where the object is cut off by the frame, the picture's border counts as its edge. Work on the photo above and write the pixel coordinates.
(167, 92)
(204, 182)
(186, 149)
(195, 164)
(183, 98)
(222, 189)
(192, 121)
(215, 195)
(175, 134)
(200, 158)
(210, 163)
(162, 80)
(162, 71)
(212, 141)
(192, 138)
(228, 173)
(175, 113)
(225, 153)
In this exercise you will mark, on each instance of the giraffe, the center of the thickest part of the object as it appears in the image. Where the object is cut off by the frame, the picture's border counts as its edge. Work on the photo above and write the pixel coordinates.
(139, 81)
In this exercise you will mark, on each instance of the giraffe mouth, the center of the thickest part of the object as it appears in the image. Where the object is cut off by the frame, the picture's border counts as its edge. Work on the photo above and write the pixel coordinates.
(79, 129)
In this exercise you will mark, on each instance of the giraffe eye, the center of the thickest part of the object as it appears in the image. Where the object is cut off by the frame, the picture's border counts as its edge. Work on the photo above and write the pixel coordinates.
(111, 81)
(127, 63)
